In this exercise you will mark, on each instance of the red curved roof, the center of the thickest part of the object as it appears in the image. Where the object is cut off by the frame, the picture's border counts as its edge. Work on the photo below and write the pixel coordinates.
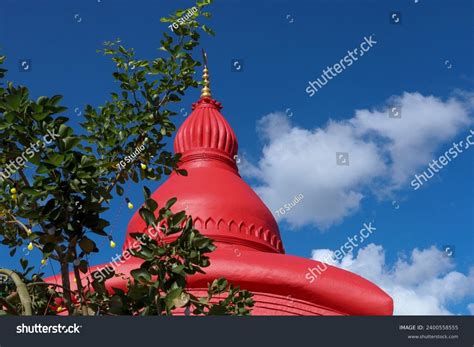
(249, 248)
(250, 251)
(223, 206)
(206, 130)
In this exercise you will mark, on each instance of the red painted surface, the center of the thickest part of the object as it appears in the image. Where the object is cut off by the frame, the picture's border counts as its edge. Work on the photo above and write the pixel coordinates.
(249, 248)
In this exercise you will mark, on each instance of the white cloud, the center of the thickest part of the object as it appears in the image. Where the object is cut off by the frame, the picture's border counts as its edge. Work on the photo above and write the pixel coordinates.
(384, 153)
(424, 284)
(470, 307)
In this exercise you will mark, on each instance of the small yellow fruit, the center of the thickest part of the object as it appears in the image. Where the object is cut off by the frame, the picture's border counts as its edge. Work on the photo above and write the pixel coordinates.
(59, 309)
(14, 196)
(143, 166)
(43, 261)
(112, 244)
(30, 246)
(130, 205)
(13, 190)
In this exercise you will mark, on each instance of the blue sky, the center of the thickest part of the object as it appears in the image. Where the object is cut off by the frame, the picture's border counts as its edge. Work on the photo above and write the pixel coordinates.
(282, 45)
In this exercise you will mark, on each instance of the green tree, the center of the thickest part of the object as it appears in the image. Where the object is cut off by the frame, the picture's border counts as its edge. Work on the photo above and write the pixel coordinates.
(55, 203)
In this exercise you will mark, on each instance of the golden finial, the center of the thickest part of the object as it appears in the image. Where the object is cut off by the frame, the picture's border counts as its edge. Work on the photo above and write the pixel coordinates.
(206, 91)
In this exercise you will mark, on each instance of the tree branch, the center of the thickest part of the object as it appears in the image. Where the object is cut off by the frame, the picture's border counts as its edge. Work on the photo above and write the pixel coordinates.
(22, 290)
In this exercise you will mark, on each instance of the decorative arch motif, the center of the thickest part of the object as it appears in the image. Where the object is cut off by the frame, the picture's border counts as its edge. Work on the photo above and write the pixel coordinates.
(233, 227)
(221, 225)
(243, 228)
(198, 223)
(209, 223)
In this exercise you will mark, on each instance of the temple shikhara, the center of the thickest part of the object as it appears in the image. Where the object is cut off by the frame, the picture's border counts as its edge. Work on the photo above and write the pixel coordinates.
(250, 252)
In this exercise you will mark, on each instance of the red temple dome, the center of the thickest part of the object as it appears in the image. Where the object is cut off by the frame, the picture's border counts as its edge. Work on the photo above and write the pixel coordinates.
(249, 248)
(222, 205)
(206, 131)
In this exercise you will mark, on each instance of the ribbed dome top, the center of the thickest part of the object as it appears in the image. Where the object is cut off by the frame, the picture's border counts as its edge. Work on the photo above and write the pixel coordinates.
(222, 205)
(206, 130)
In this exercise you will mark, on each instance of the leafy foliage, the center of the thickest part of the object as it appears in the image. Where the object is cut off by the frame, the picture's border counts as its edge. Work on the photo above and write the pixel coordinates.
(56, 183)
(41, 295)
(158, 286)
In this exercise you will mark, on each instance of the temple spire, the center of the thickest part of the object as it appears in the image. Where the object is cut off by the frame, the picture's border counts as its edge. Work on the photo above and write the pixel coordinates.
(206, 90)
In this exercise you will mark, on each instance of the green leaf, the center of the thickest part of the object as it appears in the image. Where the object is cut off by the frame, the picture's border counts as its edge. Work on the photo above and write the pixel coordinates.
(48, 208)
(87, 245)
(116, 304)
(178, 269)
(48, 248)
(176, 298)
(119, 189)
(39, 116)
(147, 216)
(65, 131)
(70, 142)
(13, 101)
(55, 99)
(141, 275)
(144, 253)
(55, 159)
(171, 202)
(24, 263)
(166, 20)
(174, 98)
(207, 30)
(146, 192)
(151, 204)
(83, 266)
(42, 100)
(178, 218)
